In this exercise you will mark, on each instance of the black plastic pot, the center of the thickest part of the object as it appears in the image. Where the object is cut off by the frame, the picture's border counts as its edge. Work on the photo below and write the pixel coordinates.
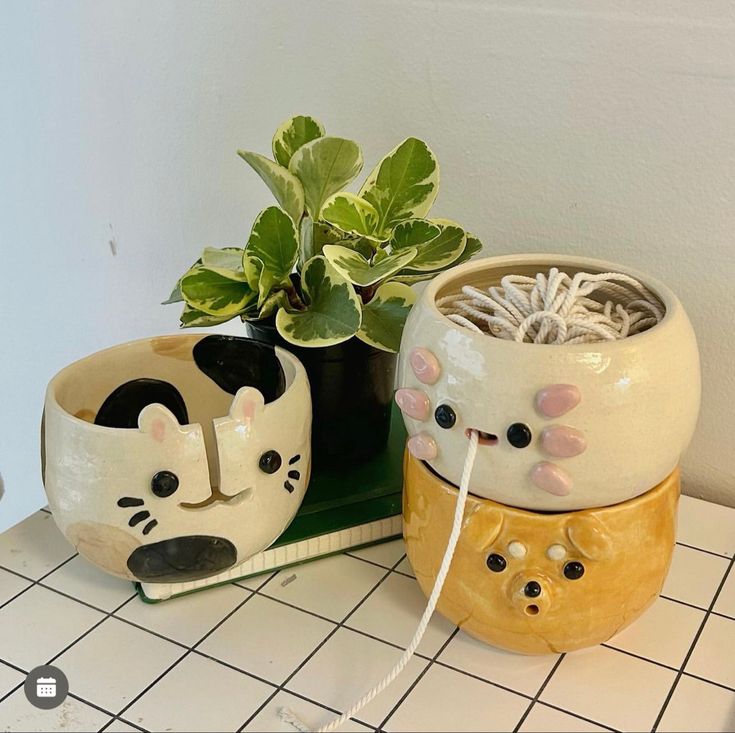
(351, 392)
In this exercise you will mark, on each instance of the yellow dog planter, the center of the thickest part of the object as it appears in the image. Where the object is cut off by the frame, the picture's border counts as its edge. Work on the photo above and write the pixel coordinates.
(538, 583)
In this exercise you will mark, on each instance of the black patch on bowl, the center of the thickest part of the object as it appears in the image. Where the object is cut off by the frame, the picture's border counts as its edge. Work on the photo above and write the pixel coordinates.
(233, 362)
(182, 558)
(122, 407)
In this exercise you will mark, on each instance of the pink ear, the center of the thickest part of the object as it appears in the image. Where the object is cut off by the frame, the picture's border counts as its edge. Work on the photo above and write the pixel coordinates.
(562, 441)
(557, 399)
(414, 403)
(158, 430)
(422, 446)
(425, 365)
(551, 478)
(248, 409)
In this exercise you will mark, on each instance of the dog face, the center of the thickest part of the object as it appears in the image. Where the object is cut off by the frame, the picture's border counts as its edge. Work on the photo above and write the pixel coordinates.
(534, 582)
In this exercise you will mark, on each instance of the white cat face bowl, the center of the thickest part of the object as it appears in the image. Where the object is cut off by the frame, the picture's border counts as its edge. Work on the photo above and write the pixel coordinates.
(564, 427)
(174, 458)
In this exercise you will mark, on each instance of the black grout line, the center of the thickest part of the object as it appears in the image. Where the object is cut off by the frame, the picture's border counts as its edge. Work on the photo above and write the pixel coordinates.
(89, 630)
(93, 705)
(723, 615)
(320, 645)
(188, 649)
(607, 645)
(43, 509)
(539, 691)
(70, 694)
(137, 726)
(692, 647)
(4, 697)
(332, 621)
(701, 549)
(683, 603)
(34, 581)
(709, 682)
(418, 679)
(576, 715)
(474, 676)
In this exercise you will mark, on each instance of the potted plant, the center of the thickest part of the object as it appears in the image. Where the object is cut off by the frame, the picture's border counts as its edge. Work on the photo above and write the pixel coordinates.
(327, 273)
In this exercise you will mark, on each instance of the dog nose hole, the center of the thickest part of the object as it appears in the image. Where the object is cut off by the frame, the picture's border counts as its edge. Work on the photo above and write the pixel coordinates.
(532, 610)
(532, 590)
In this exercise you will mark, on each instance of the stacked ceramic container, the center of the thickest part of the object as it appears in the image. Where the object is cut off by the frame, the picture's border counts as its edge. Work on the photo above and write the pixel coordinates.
(570, 523)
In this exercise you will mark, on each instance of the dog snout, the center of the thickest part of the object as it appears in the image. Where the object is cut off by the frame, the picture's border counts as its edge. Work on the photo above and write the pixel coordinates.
(531, 593)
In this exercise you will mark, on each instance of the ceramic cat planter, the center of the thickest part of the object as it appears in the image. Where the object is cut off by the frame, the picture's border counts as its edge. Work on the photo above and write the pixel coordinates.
(540, 583)
(568, 427)
(171, 459)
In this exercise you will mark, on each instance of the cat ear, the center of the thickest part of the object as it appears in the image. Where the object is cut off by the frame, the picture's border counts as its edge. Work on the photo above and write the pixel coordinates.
(481, 526)
(158, 421)
(247, 405)
(588, 536)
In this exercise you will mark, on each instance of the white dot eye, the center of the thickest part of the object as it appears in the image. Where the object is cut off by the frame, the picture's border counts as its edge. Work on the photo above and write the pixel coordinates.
(516, 549)
(556, 552)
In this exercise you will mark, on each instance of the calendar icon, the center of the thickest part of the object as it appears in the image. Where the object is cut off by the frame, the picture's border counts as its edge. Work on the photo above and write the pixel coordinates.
(46, 687)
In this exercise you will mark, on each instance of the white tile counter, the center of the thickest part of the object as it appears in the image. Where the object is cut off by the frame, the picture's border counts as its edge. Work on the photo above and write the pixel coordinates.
(316, 637)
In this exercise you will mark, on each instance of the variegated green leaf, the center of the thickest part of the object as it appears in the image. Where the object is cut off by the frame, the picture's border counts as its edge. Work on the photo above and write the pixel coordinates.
(440, 251)
(408, 278)
(384, 316)
(473, 246)
(413, 233)
(273, 240)
(403, 185)
(228, 258)
(358, 270)
(215, 292)
(175, 297)
(325, 166)
(272, 303)
(192, 318)
(283, 184)
(252, 267)
(333, 314)
(350, 214)
(294, 133)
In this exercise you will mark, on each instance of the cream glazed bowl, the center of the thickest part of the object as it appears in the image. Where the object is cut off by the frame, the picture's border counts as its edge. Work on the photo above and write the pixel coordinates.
(601, 423)
(174, 458)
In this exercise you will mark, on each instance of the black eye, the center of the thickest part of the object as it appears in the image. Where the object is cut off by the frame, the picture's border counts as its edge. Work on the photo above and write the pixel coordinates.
(445, 416)
(269, 462)
(496, 563)
(573, 570)
(519, 435)
(164, 483)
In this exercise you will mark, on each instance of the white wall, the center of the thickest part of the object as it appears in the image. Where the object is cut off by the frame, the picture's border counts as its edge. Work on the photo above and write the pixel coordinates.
(605, 128)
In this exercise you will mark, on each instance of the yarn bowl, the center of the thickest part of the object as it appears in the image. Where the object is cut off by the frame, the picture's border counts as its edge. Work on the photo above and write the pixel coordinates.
(538, 583)
(174, 458)
(599, 423)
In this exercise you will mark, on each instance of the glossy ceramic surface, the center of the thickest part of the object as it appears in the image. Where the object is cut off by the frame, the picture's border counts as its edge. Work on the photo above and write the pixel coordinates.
(569, 427)
(540, 583)
(174, 458)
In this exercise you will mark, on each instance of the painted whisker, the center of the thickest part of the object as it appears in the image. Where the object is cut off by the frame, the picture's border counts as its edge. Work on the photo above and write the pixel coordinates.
(289, 487)
(150, 526)
(138, 518)
(294, 475)
(295, 459)
(128, 501)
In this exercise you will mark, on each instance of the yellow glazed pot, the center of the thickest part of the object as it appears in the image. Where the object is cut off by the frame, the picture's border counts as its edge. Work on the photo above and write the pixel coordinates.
(540, 583)
(174, 458)
(601, 422)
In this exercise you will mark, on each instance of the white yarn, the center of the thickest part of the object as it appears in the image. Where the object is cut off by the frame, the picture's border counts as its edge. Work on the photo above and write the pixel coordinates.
(555, 308)
(464, 485)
